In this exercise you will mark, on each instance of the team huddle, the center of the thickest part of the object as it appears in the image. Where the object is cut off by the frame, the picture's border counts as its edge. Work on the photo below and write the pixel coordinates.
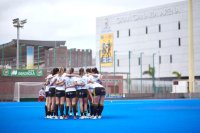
(84, 88)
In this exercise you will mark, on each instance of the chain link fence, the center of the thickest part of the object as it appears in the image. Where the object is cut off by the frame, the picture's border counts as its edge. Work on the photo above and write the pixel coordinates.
(154, 74)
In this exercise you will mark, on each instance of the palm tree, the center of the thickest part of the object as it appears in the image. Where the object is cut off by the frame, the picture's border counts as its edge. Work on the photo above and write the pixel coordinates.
(177, 74)
(151, 73)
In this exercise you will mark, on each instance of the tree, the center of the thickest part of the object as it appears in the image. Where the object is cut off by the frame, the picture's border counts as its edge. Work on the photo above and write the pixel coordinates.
(177, 74)
(151, 73)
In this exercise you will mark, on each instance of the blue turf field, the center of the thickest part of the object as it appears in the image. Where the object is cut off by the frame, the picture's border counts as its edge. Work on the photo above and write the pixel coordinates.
(131, 116)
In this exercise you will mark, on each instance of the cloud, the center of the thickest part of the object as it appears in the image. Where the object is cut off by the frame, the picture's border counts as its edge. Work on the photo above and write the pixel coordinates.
(70, 20)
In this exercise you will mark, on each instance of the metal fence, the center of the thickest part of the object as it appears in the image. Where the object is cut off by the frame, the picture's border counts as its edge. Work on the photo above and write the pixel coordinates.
(147, 73)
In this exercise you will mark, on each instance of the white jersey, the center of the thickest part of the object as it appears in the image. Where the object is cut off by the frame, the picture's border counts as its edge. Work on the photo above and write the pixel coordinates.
(97, 78)
(89, 78)
(60, 79)
(82, 80)
(70, 81)
(48, 78)
(95, 82)
(53, 81)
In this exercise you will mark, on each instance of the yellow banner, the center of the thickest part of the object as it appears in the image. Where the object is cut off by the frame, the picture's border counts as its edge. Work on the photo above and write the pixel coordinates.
(106, 50)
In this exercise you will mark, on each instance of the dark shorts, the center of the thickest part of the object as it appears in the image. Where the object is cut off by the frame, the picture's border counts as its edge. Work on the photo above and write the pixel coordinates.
(70, 94)
(52, 91)
(47, 94)
(82, 93)
(99, 91)
(60, 93)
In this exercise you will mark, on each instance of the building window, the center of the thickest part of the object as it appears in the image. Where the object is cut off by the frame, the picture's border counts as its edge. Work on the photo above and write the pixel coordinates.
(159, 43)
(179, 25)
(146, 30)
(159, 59)
(117, 34)
(170, 58)
(129, 32)
(139, 61)
(118, 62)
(179, 41)
(159, 27)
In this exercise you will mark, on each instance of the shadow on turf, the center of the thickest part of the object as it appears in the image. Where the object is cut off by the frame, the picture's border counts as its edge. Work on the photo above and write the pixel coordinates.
(106, 117)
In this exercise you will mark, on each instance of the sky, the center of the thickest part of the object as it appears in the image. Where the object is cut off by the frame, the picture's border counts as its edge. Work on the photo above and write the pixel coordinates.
(73, 21)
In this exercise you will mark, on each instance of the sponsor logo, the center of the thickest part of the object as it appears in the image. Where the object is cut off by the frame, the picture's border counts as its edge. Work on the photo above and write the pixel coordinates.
(22, 73)
(39, 72)
(27, 73)
(13, 72)
(106, 26)
(6, 72)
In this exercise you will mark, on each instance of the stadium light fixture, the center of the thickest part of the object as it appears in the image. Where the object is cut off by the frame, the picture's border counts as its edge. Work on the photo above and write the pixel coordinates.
(18, 24)
(15, 21)
(23, 21)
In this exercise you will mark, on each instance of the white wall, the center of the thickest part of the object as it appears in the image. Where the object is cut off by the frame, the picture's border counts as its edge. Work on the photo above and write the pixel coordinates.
(168, 17)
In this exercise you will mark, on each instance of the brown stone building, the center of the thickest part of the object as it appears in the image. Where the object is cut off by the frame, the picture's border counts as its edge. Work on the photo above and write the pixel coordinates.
(47, 54)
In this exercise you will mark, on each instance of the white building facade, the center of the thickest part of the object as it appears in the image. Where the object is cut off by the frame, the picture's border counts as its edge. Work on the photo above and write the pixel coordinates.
(156, 36)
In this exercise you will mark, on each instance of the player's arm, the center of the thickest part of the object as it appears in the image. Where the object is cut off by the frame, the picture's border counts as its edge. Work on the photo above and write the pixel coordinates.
(53, 81)
(72, 85)
(72, 75)
(60, 83)
(80, 84)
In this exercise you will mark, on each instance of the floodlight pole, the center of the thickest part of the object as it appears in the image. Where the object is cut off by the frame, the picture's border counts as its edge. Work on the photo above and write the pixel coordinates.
(18, 24)
(17, 65)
